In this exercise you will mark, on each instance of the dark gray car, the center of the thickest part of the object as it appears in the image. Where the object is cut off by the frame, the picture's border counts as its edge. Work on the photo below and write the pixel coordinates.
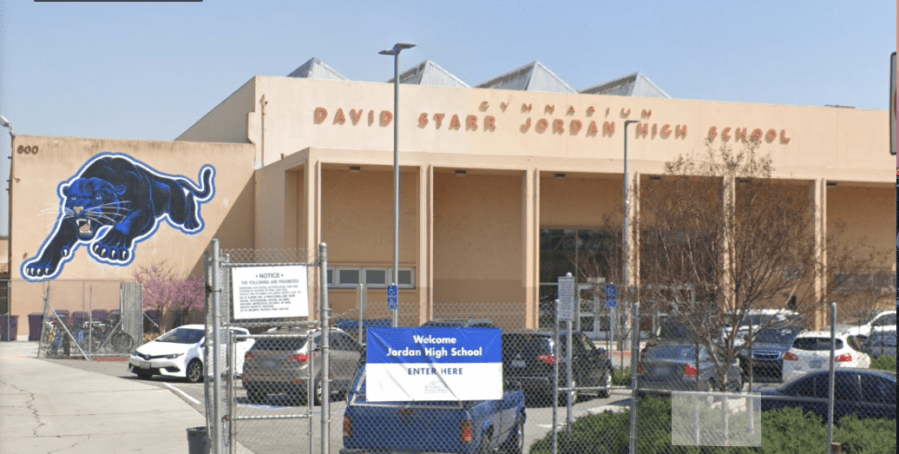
(768, 348)
(667, 367)
(279, 362)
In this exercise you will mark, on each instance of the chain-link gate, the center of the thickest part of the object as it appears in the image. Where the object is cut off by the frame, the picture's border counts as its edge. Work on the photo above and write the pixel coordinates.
(79, 327)
(264, 370)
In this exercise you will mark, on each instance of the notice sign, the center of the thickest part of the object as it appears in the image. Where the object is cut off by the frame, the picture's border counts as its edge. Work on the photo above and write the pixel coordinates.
(434, 364)
(270, 291)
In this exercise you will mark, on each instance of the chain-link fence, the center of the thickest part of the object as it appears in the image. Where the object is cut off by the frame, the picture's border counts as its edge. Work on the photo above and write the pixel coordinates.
(89, 319)
(648, 389)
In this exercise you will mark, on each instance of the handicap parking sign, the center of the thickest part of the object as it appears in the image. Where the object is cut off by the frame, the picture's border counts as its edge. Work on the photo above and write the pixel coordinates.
(392, 297)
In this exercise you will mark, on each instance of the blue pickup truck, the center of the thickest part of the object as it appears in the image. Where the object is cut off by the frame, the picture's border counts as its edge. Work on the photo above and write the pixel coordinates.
(417, 427)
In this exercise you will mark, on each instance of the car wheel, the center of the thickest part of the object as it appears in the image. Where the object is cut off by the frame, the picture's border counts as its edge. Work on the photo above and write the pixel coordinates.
(606, 382)
(317, 390)
(515, 443)
(195, 371)
(563, 395)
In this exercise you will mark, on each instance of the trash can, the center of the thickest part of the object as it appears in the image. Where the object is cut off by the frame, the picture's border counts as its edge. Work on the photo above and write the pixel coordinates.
(9, 327)
(34, 326)
(100, 315)
(78, 320)
(197, 440)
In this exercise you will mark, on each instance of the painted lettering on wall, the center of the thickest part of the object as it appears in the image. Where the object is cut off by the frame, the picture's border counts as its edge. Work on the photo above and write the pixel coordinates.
(112, 203)
(574, 121)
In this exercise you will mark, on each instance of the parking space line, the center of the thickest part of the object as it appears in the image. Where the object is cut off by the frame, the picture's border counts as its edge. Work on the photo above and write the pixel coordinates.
(195, 401)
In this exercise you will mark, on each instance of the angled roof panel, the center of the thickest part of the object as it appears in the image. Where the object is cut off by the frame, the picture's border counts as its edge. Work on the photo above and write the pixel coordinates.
(636, 85)
(316, 69)
(430, 73)
(531, 77)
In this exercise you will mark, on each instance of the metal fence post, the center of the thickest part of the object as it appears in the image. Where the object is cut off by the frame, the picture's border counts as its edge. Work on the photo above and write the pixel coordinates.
(833, 334)
(569, 382)
(216, 352)
(326, 376)
(635, 351)
(555, 395)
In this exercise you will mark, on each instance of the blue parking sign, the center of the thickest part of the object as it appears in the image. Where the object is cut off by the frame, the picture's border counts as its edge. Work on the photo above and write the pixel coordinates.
(611, 296)
(392, 297)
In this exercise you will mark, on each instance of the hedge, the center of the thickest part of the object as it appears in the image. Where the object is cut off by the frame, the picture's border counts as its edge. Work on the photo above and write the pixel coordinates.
(884, 363)
(784, 431)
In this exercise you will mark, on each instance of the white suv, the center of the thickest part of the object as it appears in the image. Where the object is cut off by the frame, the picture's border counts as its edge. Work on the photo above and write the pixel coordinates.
(811, 353)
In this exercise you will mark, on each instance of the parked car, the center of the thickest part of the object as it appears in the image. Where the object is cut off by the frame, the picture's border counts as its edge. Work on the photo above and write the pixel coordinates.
(459, 323)
(528, 359)
(768, 349)
(811, 352)
(881, 320)
(280, 363)
(179, 353)
(760, 319)
(464, 427)
(868, 393)
(881, 342)
(672, 366)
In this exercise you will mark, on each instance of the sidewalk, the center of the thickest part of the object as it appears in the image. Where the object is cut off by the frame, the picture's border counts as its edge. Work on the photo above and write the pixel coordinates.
(49, 408)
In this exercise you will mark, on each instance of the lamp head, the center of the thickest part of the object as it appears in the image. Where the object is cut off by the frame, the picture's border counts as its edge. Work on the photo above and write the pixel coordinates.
(627, 122)
(387, 52)
(4, 122)
(400, 46)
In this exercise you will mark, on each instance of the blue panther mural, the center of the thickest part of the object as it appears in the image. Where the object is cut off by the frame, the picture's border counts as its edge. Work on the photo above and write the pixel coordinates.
(113, 203)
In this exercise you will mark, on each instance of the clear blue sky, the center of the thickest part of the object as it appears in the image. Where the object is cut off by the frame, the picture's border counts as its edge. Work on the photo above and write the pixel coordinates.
(150, 70)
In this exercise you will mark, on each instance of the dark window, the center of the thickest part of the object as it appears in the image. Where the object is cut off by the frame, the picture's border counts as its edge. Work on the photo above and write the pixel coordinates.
(816, 343)
(846, 387)
(878, 390)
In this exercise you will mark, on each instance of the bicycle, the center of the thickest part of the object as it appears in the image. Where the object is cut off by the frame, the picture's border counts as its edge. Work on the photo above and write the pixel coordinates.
(107, 337)
(55, 339)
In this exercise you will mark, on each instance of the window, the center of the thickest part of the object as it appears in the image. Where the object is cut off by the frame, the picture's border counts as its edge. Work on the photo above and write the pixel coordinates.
(872, 281)
(351, 277)
(375, 277)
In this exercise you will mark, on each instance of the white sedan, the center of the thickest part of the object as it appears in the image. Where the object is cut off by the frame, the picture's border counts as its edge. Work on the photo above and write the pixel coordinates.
(179, 353)
(811, 352)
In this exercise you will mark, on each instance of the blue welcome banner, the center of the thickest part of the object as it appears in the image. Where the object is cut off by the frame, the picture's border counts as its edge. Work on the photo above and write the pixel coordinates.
(434, 364)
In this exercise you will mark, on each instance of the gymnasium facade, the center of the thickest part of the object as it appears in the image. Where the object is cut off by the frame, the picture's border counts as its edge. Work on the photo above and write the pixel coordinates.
(494, 180)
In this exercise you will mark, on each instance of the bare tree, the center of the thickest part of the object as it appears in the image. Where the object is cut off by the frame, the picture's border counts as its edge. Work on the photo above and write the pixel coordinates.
(719, 236)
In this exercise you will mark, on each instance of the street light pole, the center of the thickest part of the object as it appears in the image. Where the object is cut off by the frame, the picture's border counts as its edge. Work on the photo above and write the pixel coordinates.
(395, 52)
(5, 123)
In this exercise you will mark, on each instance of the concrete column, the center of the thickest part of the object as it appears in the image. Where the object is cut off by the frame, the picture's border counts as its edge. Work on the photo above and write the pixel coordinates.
(530, 202)
(424, 275)
(728, 212)
(312, 210)
(820, 208)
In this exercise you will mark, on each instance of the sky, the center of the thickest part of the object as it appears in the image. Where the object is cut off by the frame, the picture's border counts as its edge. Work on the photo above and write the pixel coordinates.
(150, 70)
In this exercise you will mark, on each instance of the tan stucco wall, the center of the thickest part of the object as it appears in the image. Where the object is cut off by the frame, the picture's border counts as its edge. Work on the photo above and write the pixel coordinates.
(861, 210)
(227, 122)
(35, 208)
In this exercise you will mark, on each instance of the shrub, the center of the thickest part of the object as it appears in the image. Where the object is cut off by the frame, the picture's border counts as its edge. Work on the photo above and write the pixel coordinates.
(783, 431)
(869, 436)
(621, 377)
(884, 363)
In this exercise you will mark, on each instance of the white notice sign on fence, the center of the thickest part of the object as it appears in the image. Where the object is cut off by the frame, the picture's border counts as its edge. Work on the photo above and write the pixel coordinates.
(270, 291)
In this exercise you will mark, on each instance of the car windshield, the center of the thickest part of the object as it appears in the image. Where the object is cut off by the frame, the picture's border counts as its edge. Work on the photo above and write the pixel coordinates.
(674, 352)
(816, 343)
(182, 336)
(775, 336)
